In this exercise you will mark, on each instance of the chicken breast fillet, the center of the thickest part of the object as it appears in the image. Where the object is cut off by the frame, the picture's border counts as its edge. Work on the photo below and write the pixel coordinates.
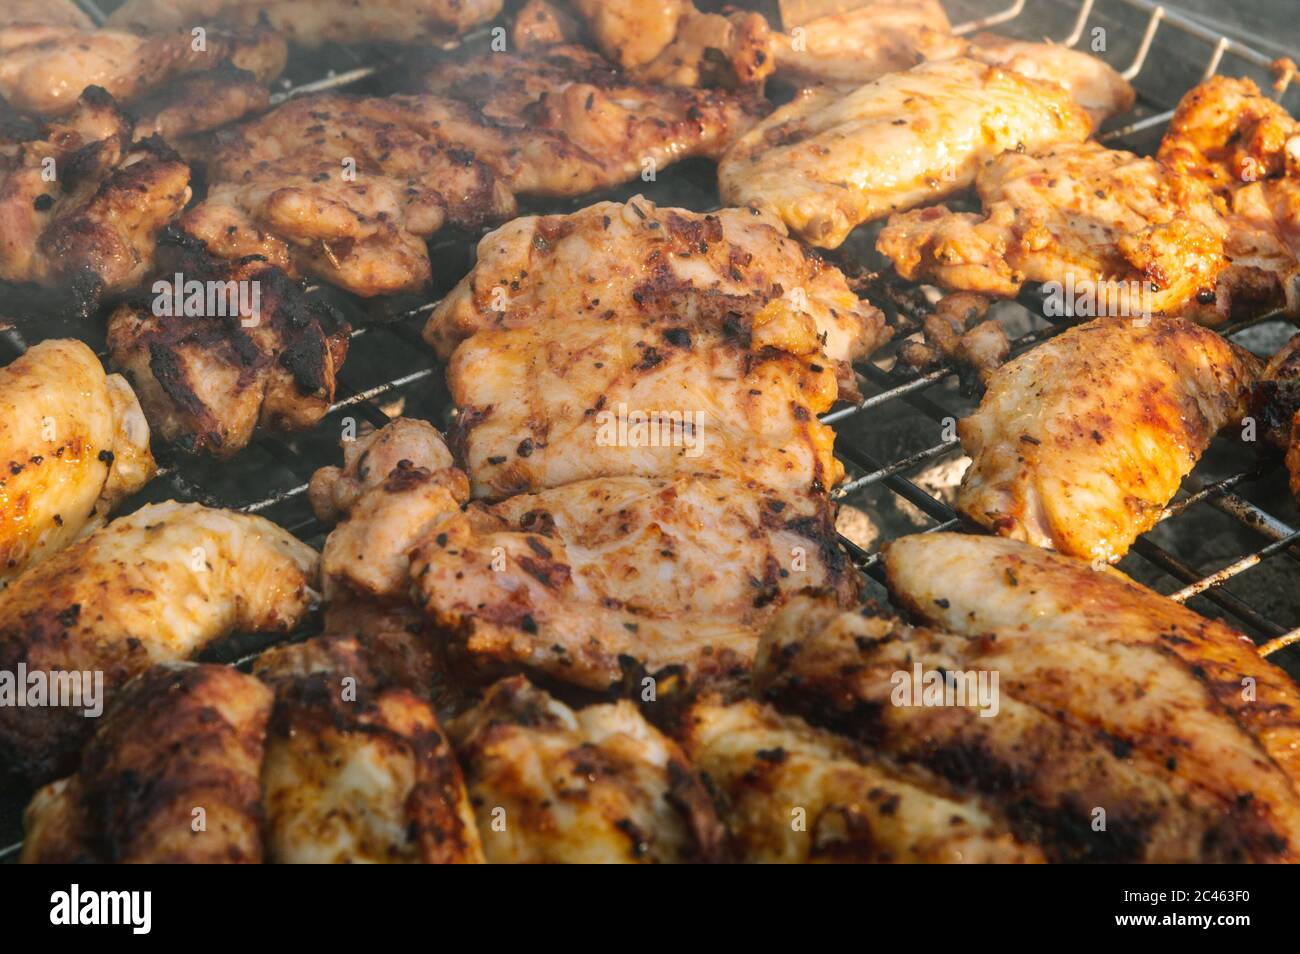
(73, 443)
(44, 69)
(597, 786)
(795, 794)
(598, 579)
(81, 206)
(1080, 443)
(826, 163)
(609, 258)
(1178, 698)
(313, 23)
(1106, 232)
(171, 776)
(158, 585)
(213, 370)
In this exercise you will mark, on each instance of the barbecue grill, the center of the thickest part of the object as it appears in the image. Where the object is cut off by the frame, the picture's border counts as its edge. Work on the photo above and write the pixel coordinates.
(1227, 545)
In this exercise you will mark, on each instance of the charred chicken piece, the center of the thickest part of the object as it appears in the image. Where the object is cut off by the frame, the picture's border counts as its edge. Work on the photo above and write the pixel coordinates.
(225, 349)
(956, 331)
(1277, 405)
(180, 740)
(159, 585)
(596, 785)
(81, 206)
(198, 102)
(73, 444)
(1080, 442)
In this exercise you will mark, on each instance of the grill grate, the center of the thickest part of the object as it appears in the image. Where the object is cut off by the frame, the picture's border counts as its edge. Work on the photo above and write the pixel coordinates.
(390, 371)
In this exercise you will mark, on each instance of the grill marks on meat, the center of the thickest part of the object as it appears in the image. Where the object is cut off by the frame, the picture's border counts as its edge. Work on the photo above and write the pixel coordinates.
(1080, 443)
(597, 785)
(209, 381)
(178, 737)
(81, 207)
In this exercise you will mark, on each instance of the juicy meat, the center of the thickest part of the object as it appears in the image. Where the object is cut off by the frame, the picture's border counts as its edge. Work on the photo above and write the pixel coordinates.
(44, 69)
(179, 738)
(826, 163)
(64, 13)
(81, 206)
(1139, 238)
(314, 23)
(1277, 405)
(198, 102)
(795, 794)
(159, 585)
(1080, 442)
(596, 785)
(1099, 657)
(589, 581)
(73, 444)
(345, 189)
(613, 259)
(213, 371)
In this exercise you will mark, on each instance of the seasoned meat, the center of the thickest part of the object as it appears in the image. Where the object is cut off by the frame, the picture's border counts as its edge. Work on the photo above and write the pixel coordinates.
(1277, 405)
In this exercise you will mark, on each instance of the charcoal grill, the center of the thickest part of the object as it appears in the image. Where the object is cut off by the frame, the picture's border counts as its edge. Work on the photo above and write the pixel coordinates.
(1227, 545)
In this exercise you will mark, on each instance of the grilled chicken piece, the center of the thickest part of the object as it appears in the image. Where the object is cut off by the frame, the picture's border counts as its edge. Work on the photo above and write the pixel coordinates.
(63, 13)
(1080, 443)
(356, 769)
(345, 189)
(1090, 221)
(81, 207)
(171, 776)
(566, 122)
(313, 23)
(390, 502)
(599, 785)
(1182, 700)
(826, 163)
(214, 370)
(1246, 148)
(1277, 405)
(589, 581)
(795, 794)
(161, 584)
(198, 102)
(44, 69)
(609, 258)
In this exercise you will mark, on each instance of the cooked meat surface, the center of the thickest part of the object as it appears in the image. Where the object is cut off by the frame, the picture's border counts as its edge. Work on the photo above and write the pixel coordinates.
(588, 581)
(314, 23)
(1184, 701)
(81, 205)
(795, 794)
(1277, 405)
(73, 444)
(615, 259)
(158, 585)
(221, 350)
(197, 102)
(44, 69)
(825, 163)
(171, 776)
(596, 785)
(1080, 442)
(63, 13)
(1091, 221)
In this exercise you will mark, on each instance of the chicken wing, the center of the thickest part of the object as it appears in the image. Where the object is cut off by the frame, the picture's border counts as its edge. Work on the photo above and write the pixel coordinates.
(1138, 238)
(795, 794)
(221, 350)
(826, 163)
(609, 258)
(161, 584)
(589, 581)
(599, 785)
(81, 207)
(170, 776)
(1180, 699)
(1080, 443)
(73, 443)
(313, 23)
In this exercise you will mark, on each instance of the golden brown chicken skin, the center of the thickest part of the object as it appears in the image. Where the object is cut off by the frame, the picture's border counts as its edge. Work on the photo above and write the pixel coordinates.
(1080, 443)
(158, 585)
(597, 785)
(170, 776)
(1177, 697)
